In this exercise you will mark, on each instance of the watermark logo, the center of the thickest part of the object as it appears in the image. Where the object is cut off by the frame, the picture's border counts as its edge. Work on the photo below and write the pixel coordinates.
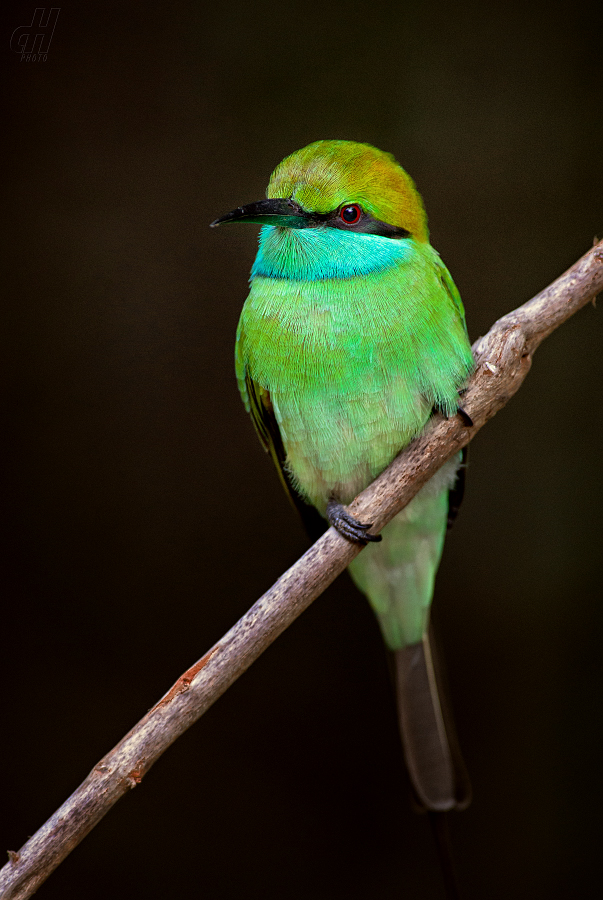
(31, 42)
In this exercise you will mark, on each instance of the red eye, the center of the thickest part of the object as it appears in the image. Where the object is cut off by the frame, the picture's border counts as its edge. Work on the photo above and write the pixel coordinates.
(350, 214)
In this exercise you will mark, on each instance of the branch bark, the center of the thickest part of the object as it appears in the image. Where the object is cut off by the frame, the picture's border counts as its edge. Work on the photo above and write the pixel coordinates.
(503, 359)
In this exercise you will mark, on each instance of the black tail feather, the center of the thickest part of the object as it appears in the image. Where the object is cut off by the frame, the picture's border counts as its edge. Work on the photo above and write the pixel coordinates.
(435, 765)
(439, 827)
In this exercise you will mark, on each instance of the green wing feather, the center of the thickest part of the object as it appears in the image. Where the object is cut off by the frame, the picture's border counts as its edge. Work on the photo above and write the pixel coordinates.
(452, 290)
(266, 426)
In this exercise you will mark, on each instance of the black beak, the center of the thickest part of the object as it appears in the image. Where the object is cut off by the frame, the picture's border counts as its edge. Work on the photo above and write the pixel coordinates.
(268, 212)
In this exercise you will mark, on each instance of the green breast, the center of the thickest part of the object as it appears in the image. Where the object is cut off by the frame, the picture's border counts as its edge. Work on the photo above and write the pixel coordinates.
(353, 363)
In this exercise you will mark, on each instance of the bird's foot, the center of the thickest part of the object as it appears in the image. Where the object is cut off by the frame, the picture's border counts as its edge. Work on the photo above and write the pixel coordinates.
(347, 526)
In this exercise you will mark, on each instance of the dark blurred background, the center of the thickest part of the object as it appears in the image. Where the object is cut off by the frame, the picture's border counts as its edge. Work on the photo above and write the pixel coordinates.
(141, 517)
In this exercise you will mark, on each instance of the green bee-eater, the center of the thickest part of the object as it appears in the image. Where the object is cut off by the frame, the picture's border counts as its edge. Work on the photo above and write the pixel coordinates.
(352, 335)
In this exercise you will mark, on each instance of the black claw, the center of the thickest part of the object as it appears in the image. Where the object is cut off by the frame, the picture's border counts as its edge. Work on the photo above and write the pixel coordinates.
(349, 527)
(465, 417)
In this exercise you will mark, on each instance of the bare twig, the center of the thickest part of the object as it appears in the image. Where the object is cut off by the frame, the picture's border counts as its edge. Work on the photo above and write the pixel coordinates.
(503, 358)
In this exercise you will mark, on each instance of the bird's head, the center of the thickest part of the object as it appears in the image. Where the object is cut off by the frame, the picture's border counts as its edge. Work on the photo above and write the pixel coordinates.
(340, 184)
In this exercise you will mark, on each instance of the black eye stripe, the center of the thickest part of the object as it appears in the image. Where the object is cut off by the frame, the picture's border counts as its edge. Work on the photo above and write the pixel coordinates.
(366, 224)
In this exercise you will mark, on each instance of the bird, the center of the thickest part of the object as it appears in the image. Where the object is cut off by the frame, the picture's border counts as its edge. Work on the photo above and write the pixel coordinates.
(352, 337)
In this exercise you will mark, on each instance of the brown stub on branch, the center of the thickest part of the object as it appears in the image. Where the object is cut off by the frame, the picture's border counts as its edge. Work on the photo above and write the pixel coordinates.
(185, 680)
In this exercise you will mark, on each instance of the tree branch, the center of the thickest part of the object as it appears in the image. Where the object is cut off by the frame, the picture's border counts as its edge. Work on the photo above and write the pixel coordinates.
(503, 359)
